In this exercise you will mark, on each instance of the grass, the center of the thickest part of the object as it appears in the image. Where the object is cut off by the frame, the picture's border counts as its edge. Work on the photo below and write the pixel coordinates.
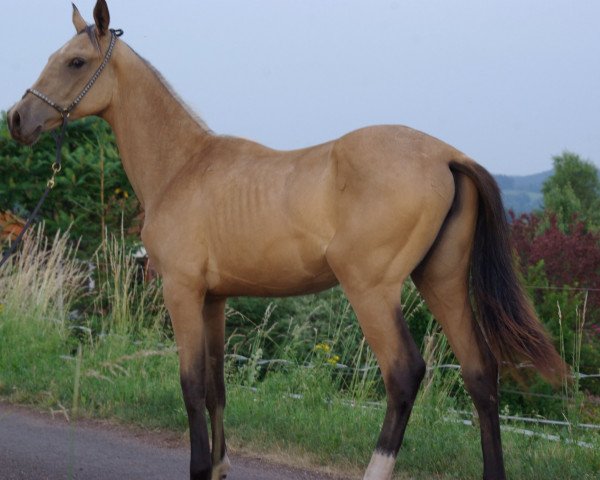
(123, 365)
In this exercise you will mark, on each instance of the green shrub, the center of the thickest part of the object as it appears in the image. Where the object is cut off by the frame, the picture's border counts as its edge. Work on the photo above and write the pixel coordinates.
(91, 192)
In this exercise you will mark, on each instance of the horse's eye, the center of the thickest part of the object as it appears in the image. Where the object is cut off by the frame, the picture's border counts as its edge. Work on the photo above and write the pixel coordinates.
(77, 62)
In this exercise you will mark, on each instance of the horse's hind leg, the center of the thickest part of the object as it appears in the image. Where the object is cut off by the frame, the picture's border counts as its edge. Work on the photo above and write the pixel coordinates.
(443, 281)
(388, 217)
(402, 367)
(214, 320)
(449, 302)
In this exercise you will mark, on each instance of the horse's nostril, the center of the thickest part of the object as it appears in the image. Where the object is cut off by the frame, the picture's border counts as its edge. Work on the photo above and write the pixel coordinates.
(16, 120)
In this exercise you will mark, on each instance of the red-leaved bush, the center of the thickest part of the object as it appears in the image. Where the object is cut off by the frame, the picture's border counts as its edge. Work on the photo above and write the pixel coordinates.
(570, 259)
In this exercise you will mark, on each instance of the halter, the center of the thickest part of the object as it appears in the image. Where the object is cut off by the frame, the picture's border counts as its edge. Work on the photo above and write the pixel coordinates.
(59, 138)
(65, 112)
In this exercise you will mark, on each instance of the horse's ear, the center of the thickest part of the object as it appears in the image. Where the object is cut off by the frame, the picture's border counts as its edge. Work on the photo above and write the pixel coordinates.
(78, 20)
(101, 17)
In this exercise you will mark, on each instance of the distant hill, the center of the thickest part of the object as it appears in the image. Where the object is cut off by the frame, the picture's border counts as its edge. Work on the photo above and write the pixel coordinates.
(522, 194)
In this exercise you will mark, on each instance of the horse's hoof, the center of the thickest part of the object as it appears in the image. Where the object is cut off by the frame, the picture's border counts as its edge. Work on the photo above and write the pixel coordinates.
(220, 470)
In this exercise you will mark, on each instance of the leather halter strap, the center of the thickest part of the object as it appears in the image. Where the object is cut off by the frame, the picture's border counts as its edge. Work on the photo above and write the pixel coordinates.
(65, 112)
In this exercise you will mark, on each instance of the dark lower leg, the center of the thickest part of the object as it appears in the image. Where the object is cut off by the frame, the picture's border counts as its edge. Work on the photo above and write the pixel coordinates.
(402, 384)
(214, 315)
(401, 396)
(402, 379)
(185, 308)
(194, 395)
(482, 385)
(215, 402)
(446, 293)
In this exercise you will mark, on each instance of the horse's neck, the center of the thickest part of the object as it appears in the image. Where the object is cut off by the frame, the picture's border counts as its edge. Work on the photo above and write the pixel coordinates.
(155, 133)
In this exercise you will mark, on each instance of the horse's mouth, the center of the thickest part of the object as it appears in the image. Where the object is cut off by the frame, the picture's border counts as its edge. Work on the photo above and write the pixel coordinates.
(26, 138)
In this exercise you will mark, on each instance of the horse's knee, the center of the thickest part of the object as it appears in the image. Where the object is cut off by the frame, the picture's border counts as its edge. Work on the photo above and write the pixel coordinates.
(403, 377)
(194, 392)
(482, 385)
(403, 383)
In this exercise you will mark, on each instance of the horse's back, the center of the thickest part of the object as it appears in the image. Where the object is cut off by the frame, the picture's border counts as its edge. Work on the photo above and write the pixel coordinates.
(385, 150)
(266, 219)
(394, 168)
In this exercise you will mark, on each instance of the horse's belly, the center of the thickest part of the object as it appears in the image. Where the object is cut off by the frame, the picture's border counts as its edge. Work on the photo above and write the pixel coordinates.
(277, 268)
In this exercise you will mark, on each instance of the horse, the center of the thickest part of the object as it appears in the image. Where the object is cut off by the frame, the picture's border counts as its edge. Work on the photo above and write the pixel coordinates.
(226, 217)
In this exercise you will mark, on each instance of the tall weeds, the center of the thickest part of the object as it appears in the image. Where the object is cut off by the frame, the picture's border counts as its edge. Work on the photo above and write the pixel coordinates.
(43, 279)
(125, 302)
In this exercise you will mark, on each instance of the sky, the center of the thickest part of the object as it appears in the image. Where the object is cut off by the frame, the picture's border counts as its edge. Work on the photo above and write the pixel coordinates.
(510, 83)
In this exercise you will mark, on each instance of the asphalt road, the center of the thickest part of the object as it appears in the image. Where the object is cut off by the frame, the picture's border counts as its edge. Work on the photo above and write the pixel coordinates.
(36, 446)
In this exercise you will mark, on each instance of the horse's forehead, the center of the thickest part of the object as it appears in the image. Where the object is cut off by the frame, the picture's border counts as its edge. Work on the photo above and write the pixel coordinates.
(78, 41)
(65, 48)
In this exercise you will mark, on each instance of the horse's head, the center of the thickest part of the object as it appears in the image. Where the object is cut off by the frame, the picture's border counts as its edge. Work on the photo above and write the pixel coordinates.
(68, 71)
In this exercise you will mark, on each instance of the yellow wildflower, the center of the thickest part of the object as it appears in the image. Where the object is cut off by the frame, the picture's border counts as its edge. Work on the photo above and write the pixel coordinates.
(322, 347)
(333, 360)
(120, 193)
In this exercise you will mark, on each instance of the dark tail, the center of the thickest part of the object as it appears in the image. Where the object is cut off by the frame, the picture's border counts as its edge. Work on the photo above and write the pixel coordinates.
(504, 311)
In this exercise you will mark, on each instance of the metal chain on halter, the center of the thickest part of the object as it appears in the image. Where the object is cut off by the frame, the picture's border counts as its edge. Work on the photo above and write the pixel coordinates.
(59, 140)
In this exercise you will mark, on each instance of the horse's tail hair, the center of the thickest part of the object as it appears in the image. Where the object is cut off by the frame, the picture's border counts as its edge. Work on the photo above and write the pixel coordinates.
(503, 310)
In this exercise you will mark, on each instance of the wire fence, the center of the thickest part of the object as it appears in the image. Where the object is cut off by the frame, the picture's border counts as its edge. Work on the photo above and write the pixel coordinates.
(267, 363)
(529, 433)
(455, 418)
(541, 421)
(117, 365)
(564, 287)
(367, 368)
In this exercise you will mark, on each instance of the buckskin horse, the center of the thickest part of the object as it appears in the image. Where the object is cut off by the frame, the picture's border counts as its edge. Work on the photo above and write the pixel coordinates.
(229, 217)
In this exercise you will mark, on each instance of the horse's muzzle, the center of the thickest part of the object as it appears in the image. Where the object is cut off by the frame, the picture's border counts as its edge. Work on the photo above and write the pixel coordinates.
(20, 130)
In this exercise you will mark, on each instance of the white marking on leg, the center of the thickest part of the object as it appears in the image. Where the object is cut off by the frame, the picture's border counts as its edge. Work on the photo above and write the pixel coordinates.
(381, 467)
(220, 471)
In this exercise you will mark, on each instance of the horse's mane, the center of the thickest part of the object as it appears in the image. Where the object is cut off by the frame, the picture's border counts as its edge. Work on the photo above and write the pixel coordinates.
(165, 83)
(92, 34)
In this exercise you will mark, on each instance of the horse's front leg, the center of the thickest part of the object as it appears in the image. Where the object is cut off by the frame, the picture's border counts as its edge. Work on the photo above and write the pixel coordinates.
(185, 303)
(214, 319)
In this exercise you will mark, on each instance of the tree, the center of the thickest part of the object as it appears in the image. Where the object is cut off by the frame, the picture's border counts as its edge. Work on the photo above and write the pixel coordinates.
(573, 191)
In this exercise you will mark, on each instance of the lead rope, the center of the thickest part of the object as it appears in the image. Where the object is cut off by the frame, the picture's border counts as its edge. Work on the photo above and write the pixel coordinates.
(59, 140)
(56, 167)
